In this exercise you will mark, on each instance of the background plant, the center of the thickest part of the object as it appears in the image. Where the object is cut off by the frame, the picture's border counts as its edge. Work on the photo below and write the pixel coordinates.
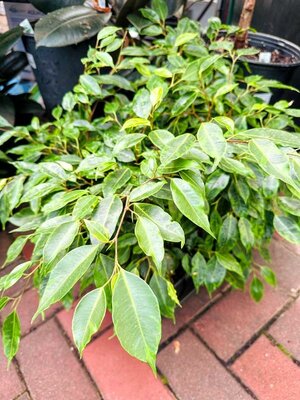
(162, 160)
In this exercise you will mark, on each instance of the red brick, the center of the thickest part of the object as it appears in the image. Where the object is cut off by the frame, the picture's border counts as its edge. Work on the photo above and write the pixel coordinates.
(269, 373)
(195, 374)
(24, 396)
(50, 368)
(26, 309)
(10, 383)
(27, 251)
(5, 242)
(294, 248)
(286, 265)
(120, 376)
(65, 318)
(192, 305)
(286, 330)
(231, 322)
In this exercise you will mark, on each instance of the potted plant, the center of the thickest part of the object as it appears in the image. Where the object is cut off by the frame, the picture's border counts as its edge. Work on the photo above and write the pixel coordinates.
(184, 171)
(277, 58)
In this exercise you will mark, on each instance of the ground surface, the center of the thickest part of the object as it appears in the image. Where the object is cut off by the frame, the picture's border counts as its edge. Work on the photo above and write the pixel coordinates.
(225, 348)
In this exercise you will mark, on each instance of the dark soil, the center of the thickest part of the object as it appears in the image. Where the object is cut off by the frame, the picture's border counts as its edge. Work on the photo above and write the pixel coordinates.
(276, 58)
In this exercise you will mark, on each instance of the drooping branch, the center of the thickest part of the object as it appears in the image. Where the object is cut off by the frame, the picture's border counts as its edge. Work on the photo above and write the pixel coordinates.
(244, 23)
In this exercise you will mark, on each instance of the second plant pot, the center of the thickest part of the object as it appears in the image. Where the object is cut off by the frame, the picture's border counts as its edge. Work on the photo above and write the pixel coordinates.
(282, 72)
(56, 69)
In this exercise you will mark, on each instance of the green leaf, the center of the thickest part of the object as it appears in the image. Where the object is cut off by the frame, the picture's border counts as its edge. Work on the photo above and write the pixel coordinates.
(88, 317)
(3, 302)
(39, 191)
(213, 274)
(159, 285)
(90, 84)
(135, 122)
(176, 148)
(235, 167)
(279, 137)
(288, 228)
(104, 268)
(60, 239)
(128, 141)
(69, 25)
(170, 230)
(14, 276)
(146, 190)
(198, 270)
(184, 38)
(150, 240)
(229, 263)
(61, 199)
(15, 249)
(161, 8)
(271, 159)
(246, 234)
(183, 103)
(189, 200)
(256, 289)
(136, 317)
(290, 205)
(107, 31)
(115, 180)
(268, 275)
(84, 206)
(11, 334)
(108, 213)
(47, 6)
(211, 140)
(65, 274)
(97, 231)
(142, 104)
(215, 184)
(228, 234)
(160, 137)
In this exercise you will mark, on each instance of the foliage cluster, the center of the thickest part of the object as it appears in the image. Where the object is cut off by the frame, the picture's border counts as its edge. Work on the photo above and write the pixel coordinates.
(163, 159)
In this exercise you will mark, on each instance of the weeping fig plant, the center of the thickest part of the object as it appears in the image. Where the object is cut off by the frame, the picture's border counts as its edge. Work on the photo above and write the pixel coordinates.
(162, 161)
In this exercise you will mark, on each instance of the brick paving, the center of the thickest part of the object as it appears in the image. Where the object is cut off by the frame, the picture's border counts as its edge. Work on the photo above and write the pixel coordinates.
(221, 348)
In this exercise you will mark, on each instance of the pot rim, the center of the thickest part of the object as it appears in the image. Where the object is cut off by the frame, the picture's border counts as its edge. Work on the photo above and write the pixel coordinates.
(276, 40)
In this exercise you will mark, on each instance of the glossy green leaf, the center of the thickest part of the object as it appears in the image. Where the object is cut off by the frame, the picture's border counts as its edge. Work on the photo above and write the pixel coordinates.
(3, 302)
(142, 104)
(61, 199)
(84, 206)
(279, 137)
(176, 148)
(97, 231)
(211, 140)
(215, 184)
(135, 122)
(65, 274)
(127, 141)
(160, 137)
(288, 228)
(229, 263)
(183, 103)
(88, 317)
(115, 180)
(136, 317)
(11, 335)
(169, 230)
(268, 275)
(150, 240)
(9, 38)
(198, 270)
(189, 200)
(14, 275)
(246, 234)
(159, 286)
(256, 289)
(146, 190)
(69, 25)
(228, 233)
(15, 248)
(60, 239)
(108, 213)
(290, 205)
(271, 159)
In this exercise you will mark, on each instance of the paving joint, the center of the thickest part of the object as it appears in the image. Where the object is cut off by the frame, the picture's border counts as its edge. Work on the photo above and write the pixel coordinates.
(81, 362)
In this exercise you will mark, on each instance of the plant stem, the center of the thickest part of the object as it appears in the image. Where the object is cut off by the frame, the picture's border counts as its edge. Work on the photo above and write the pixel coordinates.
(244, 23)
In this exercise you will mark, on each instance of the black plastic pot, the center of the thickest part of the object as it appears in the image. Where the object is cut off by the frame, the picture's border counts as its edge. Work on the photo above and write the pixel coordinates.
(283, 73)
(56, 69)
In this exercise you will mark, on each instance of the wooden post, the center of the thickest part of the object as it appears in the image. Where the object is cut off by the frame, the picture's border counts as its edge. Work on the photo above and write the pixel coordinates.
(245, 22)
